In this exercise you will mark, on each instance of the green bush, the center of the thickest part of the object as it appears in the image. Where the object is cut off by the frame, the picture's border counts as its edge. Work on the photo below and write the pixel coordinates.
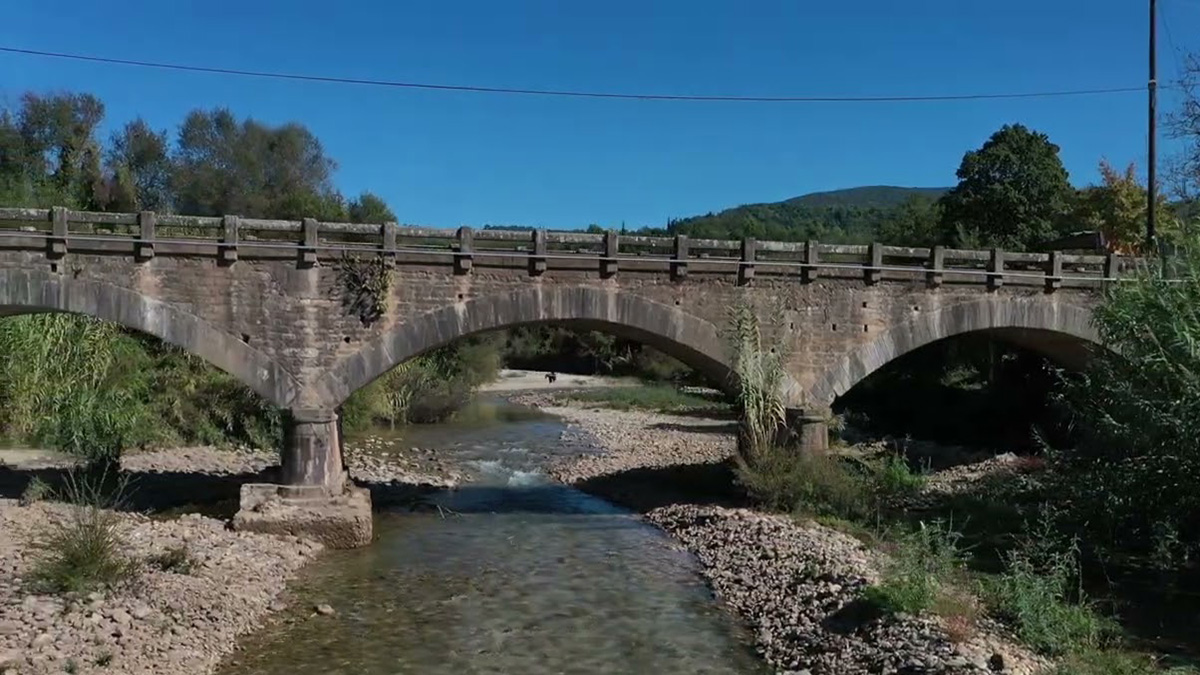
(86, 551)
(1113, 662)
(893, 476)
(1039, 595)
(36, 490)
(1132, 478)
(816, 485)
(921, 572)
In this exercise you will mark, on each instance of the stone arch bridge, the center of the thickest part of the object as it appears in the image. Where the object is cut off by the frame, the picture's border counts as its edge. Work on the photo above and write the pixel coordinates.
(287, 307)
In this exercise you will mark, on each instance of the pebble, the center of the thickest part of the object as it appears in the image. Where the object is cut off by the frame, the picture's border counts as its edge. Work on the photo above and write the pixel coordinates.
(325, 610)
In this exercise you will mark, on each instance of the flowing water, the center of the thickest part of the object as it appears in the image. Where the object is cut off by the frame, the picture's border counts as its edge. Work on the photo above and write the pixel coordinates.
(508, 574)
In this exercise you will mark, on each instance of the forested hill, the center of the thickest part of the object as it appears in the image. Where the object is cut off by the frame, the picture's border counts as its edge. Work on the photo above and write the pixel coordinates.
(853, 215)
(867, 196)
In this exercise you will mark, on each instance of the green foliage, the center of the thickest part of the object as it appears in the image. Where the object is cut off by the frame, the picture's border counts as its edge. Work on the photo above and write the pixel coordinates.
(176, 559)
(429, 388)
(1117, 209)
(818, 485)
(1114, 662)
(1039, 595)
(71, 383)
(85, 551)
(893, 476)
(1132, 476)
(659, 398)
(36, 490)
(1013, 193)
(365, 283)
(922, 567)
(760, 376)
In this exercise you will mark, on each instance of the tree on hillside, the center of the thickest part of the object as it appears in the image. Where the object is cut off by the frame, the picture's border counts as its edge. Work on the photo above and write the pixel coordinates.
(916, 222)
(1013, 192)
(1117, 208)
(251, 169)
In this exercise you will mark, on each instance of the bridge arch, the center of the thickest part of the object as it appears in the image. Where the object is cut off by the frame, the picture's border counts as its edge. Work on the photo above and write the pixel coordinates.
(24, 291)
(1057, 329)
(669, 329)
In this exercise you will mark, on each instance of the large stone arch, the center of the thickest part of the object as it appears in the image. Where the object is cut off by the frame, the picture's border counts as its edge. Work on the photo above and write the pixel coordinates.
(686, 337)
(1060, 330)
(30, 292)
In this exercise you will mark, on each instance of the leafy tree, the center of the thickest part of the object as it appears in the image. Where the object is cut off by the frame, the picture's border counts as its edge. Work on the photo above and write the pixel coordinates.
(916, 222)
(1117, 208)
(139, 167)
(1013, 192)
(251, 169)
(48, 150)
(370, 208)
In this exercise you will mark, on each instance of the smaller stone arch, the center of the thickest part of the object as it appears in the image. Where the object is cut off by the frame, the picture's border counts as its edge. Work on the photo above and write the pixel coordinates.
(33, 291)
(688, 338)
(1061, 330)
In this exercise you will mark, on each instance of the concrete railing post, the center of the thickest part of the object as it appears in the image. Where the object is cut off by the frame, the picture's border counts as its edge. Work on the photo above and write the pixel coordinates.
(1054, 272)
(812, 255)
(1112, 266)
(937, 266)
(56, 245)
(608, 264)
(387, 233)
(537, 260)
(746, 266)
(873, 272)
(995, 276)
(679, 266)
(228, 250)
(144, 248)
(308, 248)
(464, 258)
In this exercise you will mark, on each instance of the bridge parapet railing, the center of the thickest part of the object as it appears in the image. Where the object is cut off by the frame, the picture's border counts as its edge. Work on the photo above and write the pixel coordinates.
(145, 234)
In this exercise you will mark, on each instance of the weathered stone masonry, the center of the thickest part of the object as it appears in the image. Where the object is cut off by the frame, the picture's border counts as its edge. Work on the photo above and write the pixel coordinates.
(271, 310)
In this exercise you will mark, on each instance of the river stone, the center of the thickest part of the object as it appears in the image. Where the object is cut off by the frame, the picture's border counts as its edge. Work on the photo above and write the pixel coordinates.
(325, 610)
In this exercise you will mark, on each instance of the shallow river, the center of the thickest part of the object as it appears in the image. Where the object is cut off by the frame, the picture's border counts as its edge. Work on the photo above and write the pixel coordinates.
(513, 574)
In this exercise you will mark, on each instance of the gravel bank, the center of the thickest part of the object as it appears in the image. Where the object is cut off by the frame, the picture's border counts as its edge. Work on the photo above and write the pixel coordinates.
(798, 588)
(634, 439)
(796, 585)
(166, 623)
(369, 460)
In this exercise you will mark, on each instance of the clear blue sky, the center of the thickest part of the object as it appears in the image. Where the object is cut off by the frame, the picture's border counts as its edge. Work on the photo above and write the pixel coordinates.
(457, 158)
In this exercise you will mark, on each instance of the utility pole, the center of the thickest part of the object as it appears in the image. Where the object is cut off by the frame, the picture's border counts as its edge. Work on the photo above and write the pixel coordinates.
(1152, 149)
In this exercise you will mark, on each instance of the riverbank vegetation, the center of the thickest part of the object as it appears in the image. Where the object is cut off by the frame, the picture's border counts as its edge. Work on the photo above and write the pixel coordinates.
(1119, 496)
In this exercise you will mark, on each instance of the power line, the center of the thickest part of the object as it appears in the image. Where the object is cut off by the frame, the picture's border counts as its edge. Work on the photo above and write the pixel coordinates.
(574, 93)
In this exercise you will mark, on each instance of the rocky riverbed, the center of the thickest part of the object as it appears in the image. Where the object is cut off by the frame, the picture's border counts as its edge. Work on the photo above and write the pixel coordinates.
(166, 622)
(797, 585)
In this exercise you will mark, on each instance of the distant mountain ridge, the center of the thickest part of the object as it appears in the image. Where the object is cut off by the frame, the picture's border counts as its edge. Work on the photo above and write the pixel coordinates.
(851, 215)
(870, 196)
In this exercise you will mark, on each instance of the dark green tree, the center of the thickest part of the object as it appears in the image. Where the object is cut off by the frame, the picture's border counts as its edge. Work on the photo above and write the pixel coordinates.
(251, 169)
(139, 169)
(1013, 192)
(370, 208)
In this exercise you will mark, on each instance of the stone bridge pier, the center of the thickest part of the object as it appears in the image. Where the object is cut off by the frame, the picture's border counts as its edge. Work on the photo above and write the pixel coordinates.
(306, 313)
